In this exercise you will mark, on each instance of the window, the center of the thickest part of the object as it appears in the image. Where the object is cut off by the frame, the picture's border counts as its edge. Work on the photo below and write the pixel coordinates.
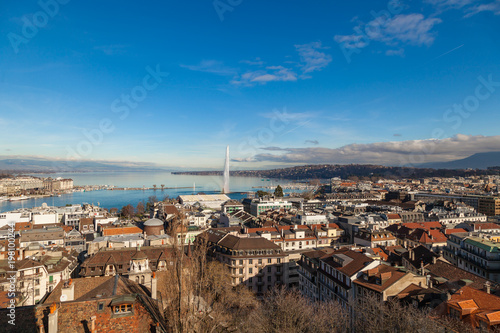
(260, 261)
(241, 262)
(279, 260)
(250, 270)
(269, 260)
(269, 269)
(37, 270)
(269, 278)
(37, 292)
(100, 306)
(241, 270)
(37, 282)
(250, 280)
(120, 266)
(250, 261)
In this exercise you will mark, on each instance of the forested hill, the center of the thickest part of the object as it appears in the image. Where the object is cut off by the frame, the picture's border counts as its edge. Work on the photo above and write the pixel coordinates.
(325, 171)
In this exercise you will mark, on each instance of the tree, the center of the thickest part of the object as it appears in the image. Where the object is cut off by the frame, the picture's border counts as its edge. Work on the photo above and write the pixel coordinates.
(278, 192)
(140, 208)
(261, 193)
(199, 294)
(113, 210)
(127, 211)
(162, 186)
(152, 199)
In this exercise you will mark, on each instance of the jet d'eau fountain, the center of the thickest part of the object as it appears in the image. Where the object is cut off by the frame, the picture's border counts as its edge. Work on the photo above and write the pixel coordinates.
(225, 186)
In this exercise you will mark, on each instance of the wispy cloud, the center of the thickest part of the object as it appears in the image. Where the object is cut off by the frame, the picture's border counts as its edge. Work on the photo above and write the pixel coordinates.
(211, 66)
(312, 58)
(397, 32)
(493, 7)
(385, 153)
(314, 142)
(398, 52)
(448, 4)
(413, 29)
(270, 73)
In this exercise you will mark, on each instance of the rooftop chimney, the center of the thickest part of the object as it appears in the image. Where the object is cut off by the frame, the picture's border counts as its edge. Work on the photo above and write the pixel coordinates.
(154, 287)
(68, 291)
(53, 318)
(487, 286)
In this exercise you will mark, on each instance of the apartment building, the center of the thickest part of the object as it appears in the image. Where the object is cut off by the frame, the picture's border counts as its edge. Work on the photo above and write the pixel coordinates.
(258, 206)
(476, 253)
(489, 206)
(253, 261)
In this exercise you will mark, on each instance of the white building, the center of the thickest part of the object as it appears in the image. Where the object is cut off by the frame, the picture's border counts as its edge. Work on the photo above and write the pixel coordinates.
(258, 206)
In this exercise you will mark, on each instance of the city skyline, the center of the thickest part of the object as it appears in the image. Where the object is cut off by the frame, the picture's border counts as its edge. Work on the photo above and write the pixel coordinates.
(281, 83)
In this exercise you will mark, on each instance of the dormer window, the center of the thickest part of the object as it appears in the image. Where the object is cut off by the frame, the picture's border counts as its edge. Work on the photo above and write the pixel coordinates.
(123, 308)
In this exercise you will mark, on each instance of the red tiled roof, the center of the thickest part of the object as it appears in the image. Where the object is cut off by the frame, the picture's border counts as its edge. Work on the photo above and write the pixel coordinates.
(453, 231)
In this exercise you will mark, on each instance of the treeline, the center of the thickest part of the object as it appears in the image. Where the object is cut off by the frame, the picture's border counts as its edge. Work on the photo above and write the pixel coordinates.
(326, 171)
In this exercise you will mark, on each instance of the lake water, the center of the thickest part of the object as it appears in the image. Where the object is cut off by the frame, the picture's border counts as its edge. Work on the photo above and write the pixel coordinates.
(177, 185)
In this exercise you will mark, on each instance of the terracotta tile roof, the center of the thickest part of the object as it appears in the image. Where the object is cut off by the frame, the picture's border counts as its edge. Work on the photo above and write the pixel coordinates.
(454, 275)
(379, 252)
(4, 299)
(383, 271)
(423, 225)
(110, 231)
(122, 257)
(453, 231)
(359, 261)
(393, 217)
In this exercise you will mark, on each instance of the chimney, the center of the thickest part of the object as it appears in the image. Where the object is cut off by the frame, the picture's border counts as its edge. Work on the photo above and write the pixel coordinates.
(487, 286)
(53, 318)
(428, 281)
(154, 283)
(68, 291)
(93, 329)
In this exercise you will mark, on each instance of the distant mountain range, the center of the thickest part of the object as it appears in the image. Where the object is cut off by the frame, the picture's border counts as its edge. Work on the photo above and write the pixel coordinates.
(476, 161)
(42, 165)
(481, 161)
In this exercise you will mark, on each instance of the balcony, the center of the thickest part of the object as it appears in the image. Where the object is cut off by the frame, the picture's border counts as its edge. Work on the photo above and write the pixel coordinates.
(260, 283)
(279, 273)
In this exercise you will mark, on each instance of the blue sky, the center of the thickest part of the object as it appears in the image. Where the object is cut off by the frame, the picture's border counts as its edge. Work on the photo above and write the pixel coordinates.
(281, 82)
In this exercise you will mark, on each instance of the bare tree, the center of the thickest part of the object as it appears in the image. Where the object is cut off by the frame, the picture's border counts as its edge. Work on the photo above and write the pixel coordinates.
(140, 208)
(127, 211)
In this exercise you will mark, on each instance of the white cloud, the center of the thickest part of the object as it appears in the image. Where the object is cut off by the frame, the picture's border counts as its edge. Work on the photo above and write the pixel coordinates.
(351, 41)
(413, 29)
(450, 3)
(398, 31)
(493, 7)
(399, 52)
(270, 73)
(386, 153)
(312, 58)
